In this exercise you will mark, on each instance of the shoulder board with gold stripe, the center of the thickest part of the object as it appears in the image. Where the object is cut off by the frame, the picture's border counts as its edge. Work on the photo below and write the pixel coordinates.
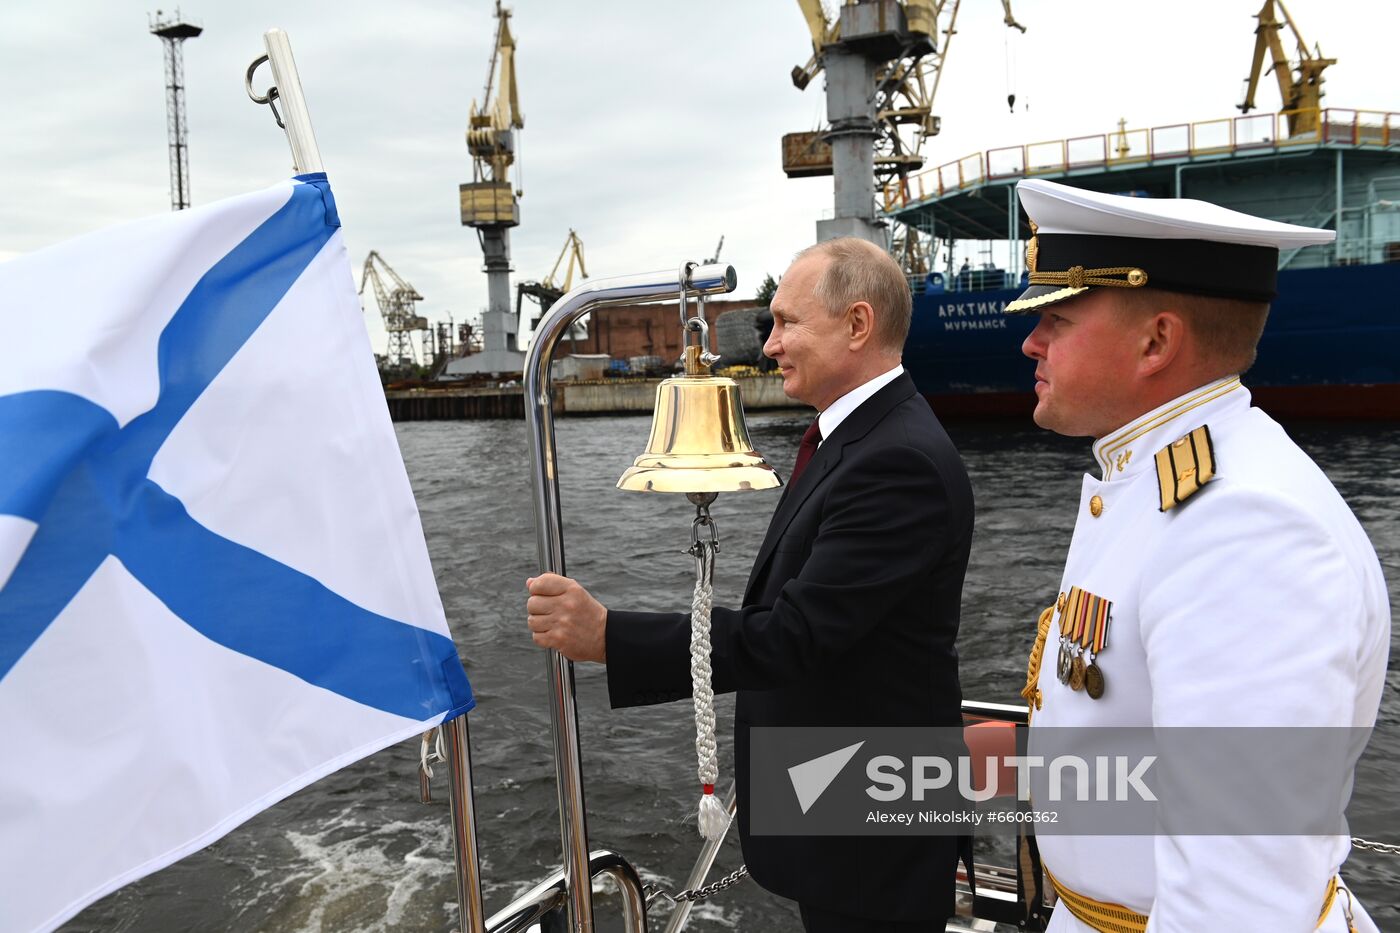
(1184, 466)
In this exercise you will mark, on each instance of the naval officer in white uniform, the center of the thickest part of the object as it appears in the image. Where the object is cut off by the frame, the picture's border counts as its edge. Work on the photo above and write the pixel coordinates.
(1215, 576)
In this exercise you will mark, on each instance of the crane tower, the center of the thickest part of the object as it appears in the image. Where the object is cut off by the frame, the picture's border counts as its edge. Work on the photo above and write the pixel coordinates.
(490, 203)
(173, 32)
(398, 307)
(878, 56)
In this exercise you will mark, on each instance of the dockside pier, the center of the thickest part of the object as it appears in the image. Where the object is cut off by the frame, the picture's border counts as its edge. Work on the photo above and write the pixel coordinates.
(597, 397)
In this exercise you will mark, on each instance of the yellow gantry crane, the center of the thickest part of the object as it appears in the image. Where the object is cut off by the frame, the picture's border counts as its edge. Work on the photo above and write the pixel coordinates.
(490, 202)
(1300, 85)
(397, 306)
(548, 290)
(876, 129)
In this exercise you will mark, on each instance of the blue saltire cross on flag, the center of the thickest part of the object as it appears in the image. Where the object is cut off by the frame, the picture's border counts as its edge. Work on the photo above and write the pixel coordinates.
(214, 588)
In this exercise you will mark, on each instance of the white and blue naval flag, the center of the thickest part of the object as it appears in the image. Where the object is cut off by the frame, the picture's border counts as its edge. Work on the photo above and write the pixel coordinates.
(214, 588)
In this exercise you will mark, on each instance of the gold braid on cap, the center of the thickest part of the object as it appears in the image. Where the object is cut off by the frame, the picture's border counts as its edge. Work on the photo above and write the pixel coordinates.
(1080, 277)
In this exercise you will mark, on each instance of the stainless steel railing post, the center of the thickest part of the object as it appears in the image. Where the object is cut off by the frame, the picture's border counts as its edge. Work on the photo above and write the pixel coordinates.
(549, 538)
(463, 809)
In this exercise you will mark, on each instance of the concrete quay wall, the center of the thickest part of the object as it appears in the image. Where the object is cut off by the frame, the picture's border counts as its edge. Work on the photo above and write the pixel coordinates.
(610, 397)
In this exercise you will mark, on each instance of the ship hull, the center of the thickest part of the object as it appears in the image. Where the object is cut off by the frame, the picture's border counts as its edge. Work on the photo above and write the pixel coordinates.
(1331, 349)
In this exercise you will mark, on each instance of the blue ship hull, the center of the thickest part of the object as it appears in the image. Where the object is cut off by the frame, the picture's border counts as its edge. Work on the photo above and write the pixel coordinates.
(1331, 348)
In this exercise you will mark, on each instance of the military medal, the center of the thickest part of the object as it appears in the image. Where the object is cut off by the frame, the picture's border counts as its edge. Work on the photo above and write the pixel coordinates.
(1076, 673)
(1093, 674)
(1064, 660)
(1093, 681)
(1084, 633)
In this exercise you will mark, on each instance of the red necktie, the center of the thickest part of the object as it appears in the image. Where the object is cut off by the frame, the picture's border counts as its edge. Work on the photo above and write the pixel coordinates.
(805, 451)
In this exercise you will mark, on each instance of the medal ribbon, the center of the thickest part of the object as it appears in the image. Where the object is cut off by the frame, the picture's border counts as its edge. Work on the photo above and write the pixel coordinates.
(1067, 613)
(1101, 626)
(1087, 602)
(1084, 620)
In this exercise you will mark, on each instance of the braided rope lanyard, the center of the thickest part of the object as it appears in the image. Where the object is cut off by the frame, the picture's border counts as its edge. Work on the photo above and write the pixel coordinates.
(713, 818)
(1031, 692)
(429, 751)
(1080, 277)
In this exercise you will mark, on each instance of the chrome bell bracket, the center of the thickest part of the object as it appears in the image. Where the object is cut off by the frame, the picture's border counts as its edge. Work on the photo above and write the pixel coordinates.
(698, 358)
(684, 278)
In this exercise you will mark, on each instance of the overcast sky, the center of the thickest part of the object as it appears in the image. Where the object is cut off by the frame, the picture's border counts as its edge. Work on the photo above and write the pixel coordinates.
(651, 126)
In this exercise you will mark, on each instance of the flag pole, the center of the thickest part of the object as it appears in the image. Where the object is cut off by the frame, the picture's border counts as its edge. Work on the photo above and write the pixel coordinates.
(463, 808)
(292, 115)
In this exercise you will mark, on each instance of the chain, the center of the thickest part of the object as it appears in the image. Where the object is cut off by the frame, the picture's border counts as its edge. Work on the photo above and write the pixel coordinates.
(1386, 847)
(699, 894)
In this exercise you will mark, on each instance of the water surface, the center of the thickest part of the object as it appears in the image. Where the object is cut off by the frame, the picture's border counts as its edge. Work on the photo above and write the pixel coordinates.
(357, 852)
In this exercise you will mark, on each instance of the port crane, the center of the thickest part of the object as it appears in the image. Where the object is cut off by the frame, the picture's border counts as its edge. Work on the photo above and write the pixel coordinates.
(718, 249)
(549, 290)
(1300, 86)
(883, 61)
(490, 202)
(398, 308)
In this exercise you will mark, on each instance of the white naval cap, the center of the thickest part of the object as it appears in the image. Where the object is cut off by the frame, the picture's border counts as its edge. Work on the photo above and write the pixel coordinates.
(1085, 239)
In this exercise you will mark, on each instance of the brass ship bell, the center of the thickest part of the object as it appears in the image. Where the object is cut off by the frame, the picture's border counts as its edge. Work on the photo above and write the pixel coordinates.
(700, 446)
(699, 442)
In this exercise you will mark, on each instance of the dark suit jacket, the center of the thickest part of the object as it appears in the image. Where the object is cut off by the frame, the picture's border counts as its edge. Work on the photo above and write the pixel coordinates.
(849, 618)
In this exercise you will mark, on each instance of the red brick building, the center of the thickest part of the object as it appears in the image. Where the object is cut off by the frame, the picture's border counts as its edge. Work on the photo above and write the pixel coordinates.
(626, 331)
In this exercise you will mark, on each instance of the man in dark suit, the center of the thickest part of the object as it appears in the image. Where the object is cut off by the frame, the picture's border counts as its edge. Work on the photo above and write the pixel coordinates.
(851, 610)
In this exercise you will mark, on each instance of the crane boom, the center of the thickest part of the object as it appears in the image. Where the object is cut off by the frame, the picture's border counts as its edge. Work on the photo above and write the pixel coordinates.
(1301, 94)
(549, 290)
(573, 248)
(490, 139)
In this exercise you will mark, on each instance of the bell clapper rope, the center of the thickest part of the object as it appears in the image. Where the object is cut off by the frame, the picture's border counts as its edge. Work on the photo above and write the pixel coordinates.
(713, 817)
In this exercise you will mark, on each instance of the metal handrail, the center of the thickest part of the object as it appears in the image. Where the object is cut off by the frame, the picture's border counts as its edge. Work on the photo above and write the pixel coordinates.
(1334, 125)
(996, 712)
(549, 536)
(552, 895)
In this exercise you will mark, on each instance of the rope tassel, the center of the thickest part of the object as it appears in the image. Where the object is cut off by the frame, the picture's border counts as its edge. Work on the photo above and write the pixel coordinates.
(713, 819)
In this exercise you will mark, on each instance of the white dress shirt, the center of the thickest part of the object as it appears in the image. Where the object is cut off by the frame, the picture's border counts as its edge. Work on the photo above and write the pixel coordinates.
(837, 411)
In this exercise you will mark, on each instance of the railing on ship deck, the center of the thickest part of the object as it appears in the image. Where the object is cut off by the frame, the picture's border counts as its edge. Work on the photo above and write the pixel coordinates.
(1126, 147)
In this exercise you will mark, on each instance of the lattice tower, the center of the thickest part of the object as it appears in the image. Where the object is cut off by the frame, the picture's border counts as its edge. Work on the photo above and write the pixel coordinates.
(173, 32)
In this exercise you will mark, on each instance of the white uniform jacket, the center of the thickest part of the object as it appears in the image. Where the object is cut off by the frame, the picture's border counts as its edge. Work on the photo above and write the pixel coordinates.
(1258, 601)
